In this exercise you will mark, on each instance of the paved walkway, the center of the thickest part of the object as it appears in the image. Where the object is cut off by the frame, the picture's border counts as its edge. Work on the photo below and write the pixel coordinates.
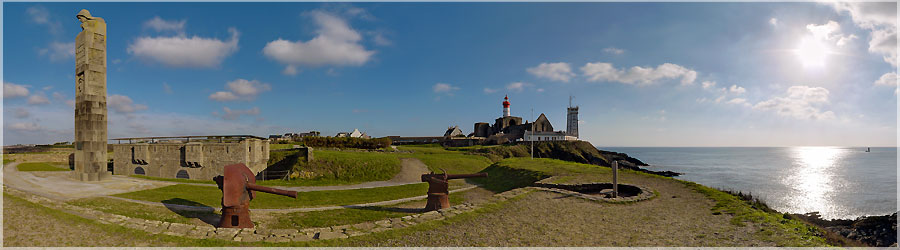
(58, 185)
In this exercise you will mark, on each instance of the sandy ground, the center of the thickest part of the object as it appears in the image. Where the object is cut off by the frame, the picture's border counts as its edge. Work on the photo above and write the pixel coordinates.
(58, 184)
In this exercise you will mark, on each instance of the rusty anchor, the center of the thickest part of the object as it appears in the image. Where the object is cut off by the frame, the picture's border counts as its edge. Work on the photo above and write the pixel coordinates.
(438, 188)
(237, 188)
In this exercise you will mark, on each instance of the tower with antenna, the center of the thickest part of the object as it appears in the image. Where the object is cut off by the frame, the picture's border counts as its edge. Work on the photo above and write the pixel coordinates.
(572, 118)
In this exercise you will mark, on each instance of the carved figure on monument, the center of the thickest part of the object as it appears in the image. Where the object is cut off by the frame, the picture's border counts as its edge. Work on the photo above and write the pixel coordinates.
(90, 99)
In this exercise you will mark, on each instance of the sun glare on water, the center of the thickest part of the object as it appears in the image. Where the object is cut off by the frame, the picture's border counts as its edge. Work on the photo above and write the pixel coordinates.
(813, 179)
(812, 52)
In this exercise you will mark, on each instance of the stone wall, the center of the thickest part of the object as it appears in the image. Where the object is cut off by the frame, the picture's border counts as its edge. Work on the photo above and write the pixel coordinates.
(198, 160)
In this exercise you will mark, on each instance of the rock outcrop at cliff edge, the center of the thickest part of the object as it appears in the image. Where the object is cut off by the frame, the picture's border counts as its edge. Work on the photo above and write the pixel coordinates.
(876, 231)
(574, 151)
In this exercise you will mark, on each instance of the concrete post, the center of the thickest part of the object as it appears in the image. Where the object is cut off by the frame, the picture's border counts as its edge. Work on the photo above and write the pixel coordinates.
(615, 170)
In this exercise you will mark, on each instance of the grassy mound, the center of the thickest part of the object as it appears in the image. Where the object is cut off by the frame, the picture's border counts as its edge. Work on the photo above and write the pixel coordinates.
(454, 161)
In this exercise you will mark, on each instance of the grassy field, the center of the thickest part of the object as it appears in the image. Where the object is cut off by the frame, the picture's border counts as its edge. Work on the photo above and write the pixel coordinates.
(455, 162)
(331, 167)
(276, 146)
(7, 160)
(211, 196)
(39, 166)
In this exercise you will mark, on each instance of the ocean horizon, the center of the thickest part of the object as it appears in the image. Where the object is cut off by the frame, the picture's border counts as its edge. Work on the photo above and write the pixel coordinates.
(837, 182)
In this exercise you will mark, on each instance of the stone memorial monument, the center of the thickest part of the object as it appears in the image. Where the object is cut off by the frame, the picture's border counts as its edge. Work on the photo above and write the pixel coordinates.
(90, 99)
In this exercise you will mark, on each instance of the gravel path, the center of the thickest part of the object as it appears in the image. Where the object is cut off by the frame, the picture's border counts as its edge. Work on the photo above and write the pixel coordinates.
(58, 184)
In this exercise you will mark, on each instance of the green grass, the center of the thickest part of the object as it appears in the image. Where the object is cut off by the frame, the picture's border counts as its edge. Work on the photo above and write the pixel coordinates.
(7, 160)
(211, 196)
(142, 211)
(513, 173)
(344, 167)
(455, 162)
(280, 146)
(172, 179)
(774, 226)
(39, 166)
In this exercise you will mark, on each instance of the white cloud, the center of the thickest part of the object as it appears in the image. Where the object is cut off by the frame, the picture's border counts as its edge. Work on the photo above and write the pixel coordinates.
(167, 89)
(516, 86)
(601, 71)
(38, 99)
(830, 31)
(380, 39)
(234, 114)
(241, 89)
(70, 103)
(737, 89)
(773, 21)
(25, 126)
(12, 90)
(123, 104)
(554, 71)
(336, 44)
(444, 88)
(181, 51)
(490, 90)
(40, 15)
(614, 51)
(889, 79)
(290, 70)
(21, 112)
(57, 51)
(160, 25)
(801, 102)
(708, 84)
(739, 101)
(539, 90)
(881, 20)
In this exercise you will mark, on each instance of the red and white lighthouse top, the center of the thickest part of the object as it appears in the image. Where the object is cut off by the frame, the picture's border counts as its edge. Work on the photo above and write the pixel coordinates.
(506, 101)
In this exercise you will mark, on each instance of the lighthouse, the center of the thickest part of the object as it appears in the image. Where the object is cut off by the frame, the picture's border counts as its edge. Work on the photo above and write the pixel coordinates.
(506, 106)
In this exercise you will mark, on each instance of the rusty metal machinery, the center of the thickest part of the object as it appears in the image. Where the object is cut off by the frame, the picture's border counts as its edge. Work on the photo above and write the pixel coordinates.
(238, 186)
(438, 188)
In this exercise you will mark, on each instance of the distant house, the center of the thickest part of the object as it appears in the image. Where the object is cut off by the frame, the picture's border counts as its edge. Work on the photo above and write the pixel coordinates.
(309, 134)
(354, 134)
(454, 132)
(275, 137)
(342, 134)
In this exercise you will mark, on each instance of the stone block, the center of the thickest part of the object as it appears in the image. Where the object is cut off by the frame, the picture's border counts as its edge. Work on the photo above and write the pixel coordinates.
(364, 226)
(330, 235)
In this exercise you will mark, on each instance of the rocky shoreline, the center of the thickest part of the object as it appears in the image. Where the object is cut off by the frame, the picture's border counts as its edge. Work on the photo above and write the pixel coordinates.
(875, 231)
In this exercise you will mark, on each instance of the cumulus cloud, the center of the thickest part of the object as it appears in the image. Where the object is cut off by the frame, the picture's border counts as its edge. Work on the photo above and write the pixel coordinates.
(614, 51)
(800, 102)
(183, 51)
(41, 15)
(889, 79)
(234, 114)
(12, 90)
(553, 71)
(336, 44)
(290, 70)
(773, 21)
(444, 88)
(241, 89)
(516, 86)
(21, 112)
(830, 31)
(601, 71)
(880, 19)
(708, 84)
(158, 24)
(490, 90)
(123, 104)
(38, 99)
(737, 89)
(57, 51)
(739, 101)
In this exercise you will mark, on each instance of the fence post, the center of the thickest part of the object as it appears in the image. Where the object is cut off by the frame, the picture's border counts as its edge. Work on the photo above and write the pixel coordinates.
(615, 170)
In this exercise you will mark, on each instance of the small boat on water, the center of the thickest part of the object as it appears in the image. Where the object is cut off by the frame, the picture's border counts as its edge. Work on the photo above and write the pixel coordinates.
(868, 150)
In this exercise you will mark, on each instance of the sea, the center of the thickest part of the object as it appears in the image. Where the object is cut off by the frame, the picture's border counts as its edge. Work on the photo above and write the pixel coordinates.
(837, 182)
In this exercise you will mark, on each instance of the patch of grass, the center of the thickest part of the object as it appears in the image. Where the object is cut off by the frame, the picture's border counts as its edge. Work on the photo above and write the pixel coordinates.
(39, 166)
(280, 146)
(142, 211)
(455, 162)
(211, 196)
(331, 167)
(773, 226)
(7, 160)
(172, 179)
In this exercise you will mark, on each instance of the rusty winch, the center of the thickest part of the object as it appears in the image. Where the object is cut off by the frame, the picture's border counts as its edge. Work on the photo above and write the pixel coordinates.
(237, 188)
(438, 188)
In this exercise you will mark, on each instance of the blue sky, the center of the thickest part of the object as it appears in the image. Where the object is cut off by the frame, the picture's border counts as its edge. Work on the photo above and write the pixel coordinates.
(644, 74)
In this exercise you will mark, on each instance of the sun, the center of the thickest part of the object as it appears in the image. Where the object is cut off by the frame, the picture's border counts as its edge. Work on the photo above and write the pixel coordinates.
(812, 52)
